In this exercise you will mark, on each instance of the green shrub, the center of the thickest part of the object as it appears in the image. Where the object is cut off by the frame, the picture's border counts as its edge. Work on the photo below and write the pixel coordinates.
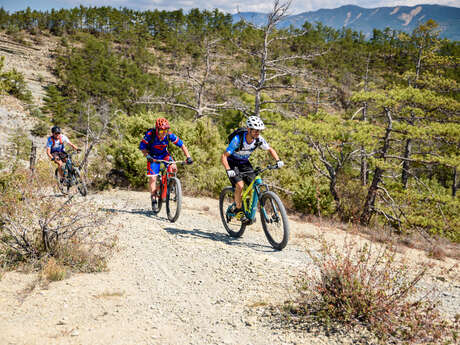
(13, 83)
(40, 129)
(20, 144)
(313, 197)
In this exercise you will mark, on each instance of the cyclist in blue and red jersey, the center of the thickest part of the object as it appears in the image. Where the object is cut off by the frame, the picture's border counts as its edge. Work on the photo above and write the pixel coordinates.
(55, 148)
(154, 146)
(235, 159)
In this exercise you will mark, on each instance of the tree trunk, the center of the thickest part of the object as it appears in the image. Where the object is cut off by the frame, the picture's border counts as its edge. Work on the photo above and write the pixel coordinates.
(369, 205)
(333, 191)
(33, 157)
(406, 165)
(454, 183)
(364, 173)
(369, 211)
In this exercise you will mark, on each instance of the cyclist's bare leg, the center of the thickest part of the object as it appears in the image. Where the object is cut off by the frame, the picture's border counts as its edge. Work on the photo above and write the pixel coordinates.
(59, 164)
(238, 192)
(152, 184)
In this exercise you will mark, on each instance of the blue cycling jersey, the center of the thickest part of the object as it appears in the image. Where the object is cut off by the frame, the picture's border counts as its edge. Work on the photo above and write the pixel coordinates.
(57, 145)
(242, 156)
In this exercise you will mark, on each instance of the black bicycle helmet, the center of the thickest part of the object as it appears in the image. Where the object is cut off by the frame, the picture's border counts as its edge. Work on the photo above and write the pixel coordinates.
(55, 130)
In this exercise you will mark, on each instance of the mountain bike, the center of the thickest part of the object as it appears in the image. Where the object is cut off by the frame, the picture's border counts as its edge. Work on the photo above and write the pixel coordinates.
(72, 177)
(168, 190)
(272, 212)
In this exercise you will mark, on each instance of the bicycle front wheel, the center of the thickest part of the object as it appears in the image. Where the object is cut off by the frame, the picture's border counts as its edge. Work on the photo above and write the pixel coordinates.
(234, 227)
(274, 220)
(61, 185)
(173, 199)
(81, 185)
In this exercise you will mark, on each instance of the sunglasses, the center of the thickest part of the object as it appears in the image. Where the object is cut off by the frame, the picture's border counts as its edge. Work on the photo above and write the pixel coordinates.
(162, 131)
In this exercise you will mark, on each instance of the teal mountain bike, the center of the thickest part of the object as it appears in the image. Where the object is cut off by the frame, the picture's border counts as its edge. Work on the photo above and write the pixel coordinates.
(272, 212)
(72, 177)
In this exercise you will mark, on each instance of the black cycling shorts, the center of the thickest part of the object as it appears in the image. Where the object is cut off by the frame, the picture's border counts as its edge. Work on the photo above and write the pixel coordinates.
(62, 156)
(242, 168)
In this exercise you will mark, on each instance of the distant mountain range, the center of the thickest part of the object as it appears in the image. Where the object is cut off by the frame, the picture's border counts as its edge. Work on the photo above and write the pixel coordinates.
(401, 18)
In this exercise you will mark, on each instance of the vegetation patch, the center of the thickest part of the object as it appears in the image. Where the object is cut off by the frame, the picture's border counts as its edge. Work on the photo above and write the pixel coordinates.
(44, 230)
(361, 286)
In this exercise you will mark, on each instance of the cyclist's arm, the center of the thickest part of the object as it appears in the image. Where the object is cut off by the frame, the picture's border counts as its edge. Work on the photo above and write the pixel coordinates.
(185, 150)
(48, 152)
(73, 146)
(273, 153)
(224, 161)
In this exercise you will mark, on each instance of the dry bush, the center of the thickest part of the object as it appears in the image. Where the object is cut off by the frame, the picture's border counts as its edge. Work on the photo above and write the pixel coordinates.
(360, 286)
(35, 224)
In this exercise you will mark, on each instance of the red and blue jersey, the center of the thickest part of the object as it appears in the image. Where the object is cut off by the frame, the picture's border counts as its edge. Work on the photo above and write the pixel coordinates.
(158, 148)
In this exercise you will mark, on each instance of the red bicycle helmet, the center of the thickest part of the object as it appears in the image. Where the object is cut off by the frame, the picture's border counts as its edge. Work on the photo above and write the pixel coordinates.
(161, 123)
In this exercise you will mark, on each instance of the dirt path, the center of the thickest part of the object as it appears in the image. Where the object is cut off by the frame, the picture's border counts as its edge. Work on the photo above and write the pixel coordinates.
(181, 283)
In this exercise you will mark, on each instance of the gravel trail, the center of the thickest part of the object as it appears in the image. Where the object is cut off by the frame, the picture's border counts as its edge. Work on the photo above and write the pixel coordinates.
(168, 283)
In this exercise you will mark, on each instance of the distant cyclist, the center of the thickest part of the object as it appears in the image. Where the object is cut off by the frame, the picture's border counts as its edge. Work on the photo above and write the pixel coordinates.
(154, 146)
(55, 148)
(235, 159)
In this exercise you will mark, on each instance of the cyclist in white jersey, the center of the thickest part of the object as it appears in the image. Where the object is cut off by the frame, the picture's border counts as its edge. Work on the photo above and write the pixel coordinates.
(235, 159)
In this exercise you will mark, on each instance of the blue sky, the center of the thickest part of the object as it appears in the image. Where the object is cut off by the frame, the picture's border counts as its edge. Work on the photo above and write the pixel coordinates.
(229, 6)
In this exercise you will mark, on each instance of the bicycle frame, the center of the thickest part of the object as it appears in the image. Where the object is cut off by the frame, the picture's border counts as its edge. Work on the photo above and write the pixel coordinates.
(251, 194)
(250, 197)
(165, 174)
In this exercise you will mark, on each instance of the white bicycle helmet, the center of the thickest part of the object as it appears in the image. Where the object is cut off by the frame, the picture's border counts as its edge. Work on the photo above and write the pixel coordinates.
(255, 122)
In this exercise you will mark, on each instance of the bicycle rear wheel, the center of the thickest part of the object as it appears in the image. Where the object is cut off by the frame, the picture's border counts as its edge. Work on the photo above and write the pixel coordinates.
(274, 220)
(234, 227)
(173, 199)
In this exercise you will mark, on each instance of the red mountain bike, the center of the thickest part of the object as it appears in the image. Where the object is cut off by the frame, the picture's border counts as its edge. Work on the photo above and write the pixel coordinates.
(169, 190)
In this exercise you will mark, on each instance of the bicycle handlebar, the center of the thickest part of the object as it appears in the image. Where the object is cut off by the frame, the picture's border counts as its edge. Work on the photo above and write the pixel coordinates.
(259, 170)
(169, 162)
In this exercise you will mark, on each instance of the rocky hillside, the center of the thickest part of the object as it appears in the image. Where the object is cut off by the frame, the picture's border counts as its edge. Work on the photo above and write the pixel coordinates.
(401, 18)
(34, 59)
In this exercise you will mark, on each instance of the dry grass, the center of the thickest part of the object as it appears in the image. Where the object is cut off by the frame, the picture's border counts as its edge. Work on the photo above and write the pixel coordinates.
(110, 294)
(73, 224)
(436, 248)
(258, 304)
(53, 271)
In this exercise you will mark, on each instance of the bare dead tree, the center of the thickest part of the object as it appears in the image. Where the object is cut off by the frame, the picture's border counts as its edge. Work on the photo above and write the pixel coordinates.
(98, 120)
(363, 169)
(333, 162)
(274, 67)
(197, 84)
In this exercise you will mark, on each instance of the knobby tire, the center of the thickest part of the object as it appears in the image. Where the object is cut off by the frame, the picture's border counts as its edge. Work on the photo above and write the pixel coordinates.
(225, 200)
(173, 199)
(273, 214)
